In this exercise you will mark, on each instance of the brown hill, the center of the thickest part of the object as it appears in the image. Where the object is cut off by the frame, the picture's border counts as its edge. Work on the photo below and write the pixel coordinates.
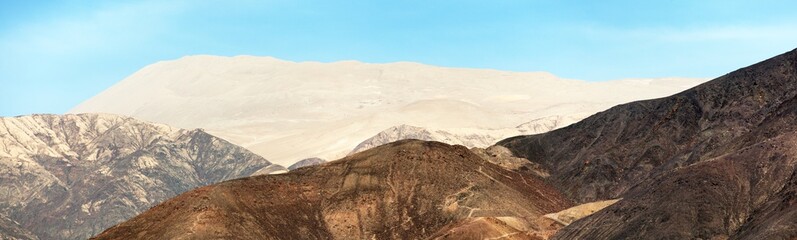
(405, 190)
(715, 161)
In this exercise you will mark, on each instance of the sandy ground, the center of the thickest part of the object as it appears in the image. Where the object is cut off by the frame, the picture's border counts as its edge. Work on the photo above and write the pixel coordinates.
(287, 111)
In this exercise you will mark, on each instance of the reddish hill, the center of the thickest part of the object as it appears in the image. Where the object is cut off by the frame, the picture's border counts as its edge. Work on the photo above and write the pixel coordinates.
(405, 190)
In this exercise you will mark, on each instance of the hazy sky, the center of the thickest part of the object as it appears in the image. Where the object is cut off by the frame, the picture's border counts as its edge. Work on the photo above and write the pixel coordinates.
(55, 54)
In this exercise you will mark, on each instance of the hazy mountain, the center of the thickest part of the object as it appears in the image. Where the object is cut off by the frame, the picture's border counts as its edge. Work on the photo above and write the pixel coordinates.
(468, 137)
(272, 107)
(71, 176)
(306, 163)
(717, 161)
(404, 190)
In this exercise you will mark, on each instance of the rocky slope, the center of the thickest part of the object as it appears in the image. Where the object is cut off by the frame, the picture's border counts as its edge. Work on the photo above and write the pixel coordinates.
(404, 190)
(714, 162)
(11, 230)
(468, 137)
(71, 176)
(272, 107)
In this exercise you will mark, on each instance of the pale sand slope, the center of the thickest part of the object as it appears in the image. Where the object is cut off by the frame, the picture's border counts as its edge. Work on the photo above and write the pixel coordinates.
(570, 215)
(289, 111)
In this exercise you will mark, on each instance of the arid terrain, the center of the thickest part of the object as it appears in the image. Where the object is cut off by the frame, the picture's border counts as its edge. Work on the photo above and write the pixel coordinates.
(366, 120)
(712, 162)
(403, 190)
(716, 161)
(272, 106)
(71, 176)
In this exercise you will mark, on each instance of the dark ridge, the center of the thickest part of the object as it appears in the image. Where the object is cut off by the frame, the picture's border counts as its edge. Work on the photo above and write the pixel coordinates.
(714, 161)
(602, 156)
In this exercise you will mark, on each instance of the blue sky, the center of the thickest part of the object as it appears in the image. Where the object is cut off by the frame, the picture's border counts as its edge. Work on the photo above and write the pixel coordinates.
(56, 54)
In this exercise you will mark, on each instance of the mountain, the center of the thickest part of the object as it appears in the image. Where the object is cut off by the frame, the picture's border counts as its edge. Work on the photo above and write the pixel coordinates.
(468, 137)
(272, 107)
(400, 132)
(409, 189)
(306, 163)
(71, 176)
(713, 162)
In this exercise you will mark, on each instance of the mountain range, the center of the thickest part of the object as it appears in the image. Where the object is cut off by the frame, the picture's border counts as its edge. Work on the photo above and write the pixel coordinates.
(417, 155)
(716, 161)
(468, 137)
(404, 190)
(72, 176)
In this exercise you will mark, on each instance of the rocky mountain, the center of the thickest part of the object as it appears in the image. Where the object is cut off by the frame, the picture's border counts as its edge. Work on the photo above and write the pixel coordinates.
(713, 162)
(306, 163)
(409, 189)
(545, 124)
(71, 176)
(400, 132)
(469, 137)
(272, 107)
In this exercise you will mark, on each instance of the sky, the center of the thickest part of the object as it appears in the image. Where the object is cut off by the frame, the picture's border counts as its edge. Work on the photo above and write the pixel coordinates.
(56, 54)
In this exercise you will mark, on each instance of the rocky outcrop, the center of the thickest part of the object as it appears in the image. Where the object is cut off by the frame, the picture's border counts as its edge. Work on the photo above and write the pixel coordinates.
(546, 124)
(393, 134)
(404, 190)
(306, 163)
(503, 157)
(71, 176)
(469, 137)
(11, 230)
(714, 162)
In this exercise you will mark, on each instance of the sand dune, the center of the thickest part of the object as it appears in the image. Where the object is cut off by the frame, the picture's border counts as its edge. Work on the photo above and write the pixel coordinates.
(288, 111)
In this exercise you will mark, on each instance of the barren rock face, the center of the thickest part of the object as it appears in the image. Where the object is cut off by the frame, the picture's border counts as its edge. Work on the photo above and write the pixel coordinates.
(11, 230)
(71, 176)
(716, 161)
(405, 190)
